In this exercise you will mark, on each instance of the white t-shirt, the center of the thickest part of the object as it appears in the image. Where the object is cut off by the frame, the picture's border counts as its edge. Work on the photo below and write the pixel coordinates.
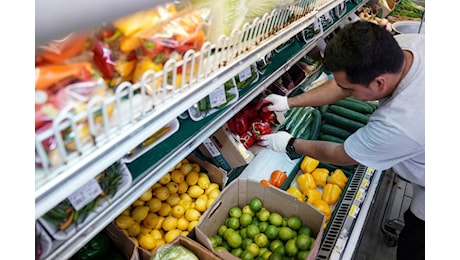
(394, 137)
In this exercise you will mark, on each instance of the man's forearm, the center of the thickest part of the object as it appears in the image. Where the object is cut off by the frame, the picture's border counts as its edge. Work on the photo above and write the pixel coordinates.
(327, 93)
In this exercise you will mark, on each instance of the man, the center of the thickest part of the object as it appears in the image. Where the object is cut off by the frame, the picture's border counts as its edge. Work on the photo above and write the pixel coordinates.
(369, 63)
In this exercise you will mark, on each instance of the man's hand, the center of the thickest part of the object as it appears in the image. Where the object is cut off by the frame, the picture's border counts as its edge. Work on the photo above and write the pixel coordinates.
(273, 102)
(277, 141)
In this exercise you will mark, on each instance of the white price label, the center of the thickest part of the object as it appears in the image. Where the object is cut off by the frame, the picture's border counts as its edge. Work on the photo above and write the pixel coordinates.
(245, 74)
(365, 184)
(369, 171)
(354, 210)
(212, 149)
(84, 195)
(218, 97)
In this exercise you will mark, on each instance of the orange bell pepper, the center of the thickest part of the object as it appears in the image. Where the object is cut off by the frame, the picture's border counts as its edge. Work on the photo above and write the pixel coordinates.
(277, 178)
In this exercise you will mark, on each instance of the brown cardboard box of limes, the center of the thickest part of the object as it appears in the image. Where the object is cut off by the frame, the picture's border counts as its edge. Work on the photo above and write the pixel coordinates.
(240, 193)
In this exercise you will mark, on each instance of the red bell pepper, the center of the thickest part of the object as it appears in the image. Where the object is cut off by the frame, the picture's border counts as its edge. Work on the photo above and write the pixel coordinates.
(238, 124)
(104, 60)
(250, 111)
(247, 139)
(269, 117)
(261, 128)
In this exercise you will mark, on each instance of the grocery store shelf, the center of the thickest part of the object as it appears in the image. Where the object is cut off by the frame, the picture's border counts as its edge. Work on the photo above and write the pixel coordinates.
(150, 167)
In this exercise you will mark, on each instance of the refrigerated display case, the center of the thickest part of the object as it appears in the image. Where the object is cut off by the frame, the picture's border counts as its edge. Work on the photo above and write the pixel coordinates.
(142, 115)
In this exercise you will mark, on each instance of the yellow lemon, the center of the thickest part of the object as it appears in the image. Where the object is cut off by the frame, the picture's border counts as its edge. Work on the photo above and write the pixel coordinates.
(214, 194)
(134, 229)
(177, 176)
(192, 214)
(124, 222)
(145, 230)
(169, 223)
(171, 235)
(135, 241)
(204, 182)
(146, 241)
(165, 179)
(185, 160)
(156, 234)
(200, 204)
(196, 167)
(195, 191)
(154, 204)
(138, 203)
(160, 242)
(184, 233)
(186, 198)
(211, 187)
(140, 213)
(192, 178)
(172, 187)
(159, 223)
(146, 196)
(165, 210)
(173, 199)
(156, 185)
(126, 212)
(161, 193)
(182, 187)
(209, 202)
(178, 165)
(186, 168)
(192, 224)
(178, 211)
(182, 223)
(151, 220)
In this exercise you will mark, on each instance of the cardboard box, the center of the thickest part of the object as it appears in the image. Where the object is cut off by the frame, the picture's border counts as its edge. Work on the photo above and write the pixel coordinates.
(122, 242)
(199, 250)
(240, 192)
(225, 144)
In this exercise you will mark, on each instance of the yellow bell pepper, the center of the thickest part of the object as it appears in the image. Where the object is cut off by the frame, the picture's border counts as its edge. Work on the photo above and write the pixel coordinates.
(320, 175)
(305, 181)
(331, 193)
(296, 193)
(322, 206)
(313, 194)
(339, 178)
(308, 164)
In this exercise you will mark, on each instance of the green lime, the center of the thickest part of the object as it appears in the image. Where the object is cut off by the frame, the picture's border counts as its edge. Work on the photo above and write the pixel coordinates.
(233, 222)
(234, 240)
(227, 232)
(263, 214)
(294, 222)
(246, 242)
(275, 243)
(291, 247)
(262, 250)
(305, 229)
(303, 241)
(213, 241)
(263, 226)
(284, 224)
(255, 221)
(245, 220)
(280, 250)
(246, 255)
(275, 219)
(272, 232)
(247, 209)
(255, 204)
(267, 255)
(261, 240)
(275, 256)
(235, 212)
(303, 254)
(253, 248)
(237, 251)
(312, 242)
(243, 233)
(286, 233)
(252, 230)
(221, 230)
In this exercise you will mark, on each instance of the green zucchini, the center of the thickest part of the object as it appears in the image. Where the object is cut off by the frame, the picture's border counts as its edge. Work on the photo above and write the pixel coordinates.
(335, 131)
(359, 107)
(316, 125)
(302, 125)
(349, 113)
(342, 122)
(331, 138)
(299, 120)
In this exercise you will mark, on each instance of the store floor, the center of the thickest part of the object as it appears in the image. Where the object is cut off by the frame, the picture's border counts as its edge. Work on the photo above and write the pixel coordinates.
(379, 238)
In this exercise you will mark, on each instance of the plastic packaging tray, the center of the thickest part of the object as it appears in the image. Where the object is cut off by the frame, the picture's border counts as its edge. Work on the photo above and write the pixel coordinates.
(45, 240)
(174, 127)
(57, 234)
(197, 116)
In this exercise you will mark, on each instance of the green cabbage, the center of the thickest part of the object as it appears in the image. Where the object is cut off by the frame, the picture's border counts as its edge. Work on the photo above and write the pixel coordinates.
(173, 252)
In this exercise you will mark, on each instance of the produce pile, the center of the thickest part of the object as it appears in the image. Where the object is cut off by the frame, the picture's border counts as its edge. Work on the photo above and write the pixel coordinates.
(171, 207)
(99, 247)
(252, 231)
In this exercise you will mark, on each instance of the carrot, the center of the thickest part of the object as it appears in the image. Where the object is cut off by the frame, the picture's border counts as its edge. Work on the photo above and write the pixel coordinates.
(68, 221)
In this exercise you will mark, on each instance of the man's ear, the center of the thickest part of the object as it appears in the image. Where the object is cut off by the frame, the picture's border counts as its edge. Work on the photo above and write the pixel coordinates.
(380, 83)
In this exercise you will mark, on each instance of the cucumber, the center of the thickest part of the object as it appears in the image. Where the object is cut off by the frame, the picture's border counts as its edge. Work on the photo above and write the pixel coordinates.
(299, 121)
(331, 138)
(359, 107)
(302, 126)
(342, 122)
(335, 131)
(362, 102)
(316, 125)
(374, 104)
(290, 114)
(323, 108)
(349, 113)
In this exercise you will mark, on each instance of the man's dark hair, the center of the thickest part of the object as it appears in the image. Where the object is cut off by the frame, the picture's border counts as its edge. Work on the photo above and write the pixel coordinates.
(363, 50)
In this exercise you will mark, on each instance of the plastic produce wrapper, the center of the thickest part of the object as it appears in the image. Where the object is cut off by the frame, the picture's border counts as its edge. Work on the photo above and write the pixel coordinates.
(173, 252)
(64, 50)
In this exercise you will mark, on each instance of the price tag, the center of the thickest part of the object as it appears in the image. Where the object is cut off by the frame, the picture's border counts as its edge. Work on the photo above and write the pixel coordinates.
(360, 195)
(354, 210)
(365, 183)
(212, 149)
(84, 195)
(245, 74)
(369, 171)
(218, 97)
